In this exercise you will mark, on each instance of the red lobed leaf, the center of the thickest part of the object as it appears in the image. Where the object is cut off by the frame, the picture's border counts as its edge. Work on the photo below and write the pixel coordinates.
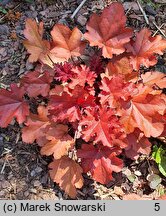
(82, 75)
(121, 67)
(144, 48)
(145, 111)
(68, 106)
(12, 105)
(154, 78)
(137, 144)
(35, 125)
(66, 43)
(36, 83)
(108, 31)
(101, 161)
(63, 72)
(103, 126)
(115, 91)
(96, 64)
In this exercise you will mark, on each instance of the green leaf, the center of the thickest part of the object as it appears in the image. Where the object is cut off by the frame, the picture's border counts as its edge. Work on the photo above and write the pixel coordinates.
(131, 178)
(3, 10)
(154, 180)
(29, 1)
(155, 148)
(159, 155)
(162, 166)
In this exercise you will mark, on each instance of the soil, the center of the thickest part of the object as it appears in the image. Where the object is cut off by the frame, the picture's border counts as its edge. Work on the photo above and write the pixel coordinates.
(23, 171)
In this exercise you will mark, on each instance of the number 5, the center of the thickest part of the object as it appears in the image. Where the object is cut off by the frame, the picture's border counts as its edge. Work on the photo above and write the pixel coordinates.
(157, 207)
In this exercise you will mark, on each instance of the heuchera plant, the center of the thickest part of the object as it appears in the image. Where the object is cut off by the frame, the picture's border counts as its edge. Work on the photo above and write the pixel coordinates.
(104, 101)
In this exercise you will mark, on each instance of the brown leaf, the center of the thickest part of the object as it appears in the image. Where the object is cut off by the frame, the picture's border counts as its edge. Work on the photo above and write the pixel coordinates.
(134, 196)
(68, 174)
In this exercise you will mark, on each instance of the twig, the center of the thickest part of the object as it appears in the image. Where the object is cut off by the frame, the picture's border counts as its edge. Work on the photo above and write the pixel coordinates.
(80, 192)
(159, 30)
(162, 139)
(128, 11)
(77, 9)
(150, 169)
(143, 12)
(3, 167)
(17, 138)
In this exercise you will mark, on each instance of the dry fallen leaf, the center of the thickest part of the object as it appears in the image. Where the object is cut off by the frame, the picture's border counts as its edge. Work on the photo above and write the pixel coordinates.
(134, 196)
